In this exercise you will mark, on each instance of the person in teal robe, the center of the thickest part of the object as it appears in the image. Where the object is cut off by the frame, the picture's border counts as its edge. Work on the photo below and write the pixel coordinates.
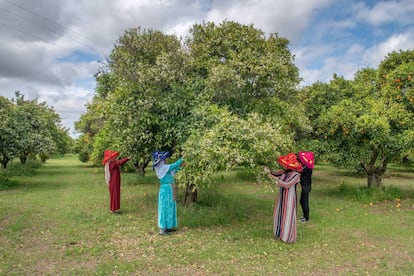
(167, 207)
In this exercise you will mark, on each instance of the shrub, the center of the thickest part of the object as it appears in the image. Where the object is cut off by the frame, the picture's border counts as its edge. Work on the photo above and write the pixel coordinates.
(365, 194)
(5, 181)
(18, 169)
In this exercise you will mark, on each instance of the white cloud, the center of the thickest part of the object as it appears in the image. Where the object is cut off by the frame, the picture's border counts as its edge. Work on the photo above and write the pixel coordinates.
(40, 37)
(288, 18)
(384, 12)
(404, 41)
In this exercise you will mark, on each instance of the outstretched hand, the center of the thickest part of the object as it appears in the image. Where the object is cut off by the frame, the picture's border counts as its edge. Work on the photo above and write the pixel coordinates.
(273, 176)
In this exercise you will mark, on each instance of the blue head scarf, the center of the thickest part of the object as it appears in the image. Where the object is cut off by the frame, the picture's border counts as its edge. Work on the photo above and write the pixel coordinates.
(158, 156)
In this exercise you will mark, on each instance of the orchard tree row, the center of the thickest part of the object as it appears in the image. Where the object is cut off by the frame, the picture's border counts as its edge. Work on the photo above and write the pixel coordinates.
(227, 95)
(29, 129)
(365, 123)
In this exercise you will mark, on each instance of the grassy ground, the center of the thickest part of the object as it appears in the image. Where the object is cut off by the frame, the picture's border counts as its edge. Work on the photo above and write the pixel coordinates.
(57, 222)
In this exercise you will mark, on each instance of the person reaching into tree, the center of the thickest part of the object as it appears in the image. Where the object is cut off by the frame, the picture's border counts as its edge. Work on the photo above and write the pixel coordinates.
(167, 207)
(113, 178)
(307, 159)
(284, 216)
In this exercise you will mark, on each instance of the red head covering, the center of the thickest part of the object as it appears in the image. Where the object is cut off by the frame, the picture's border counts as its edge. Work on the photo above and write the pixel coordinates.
(108, 155)
(307, 158)
(289, 161)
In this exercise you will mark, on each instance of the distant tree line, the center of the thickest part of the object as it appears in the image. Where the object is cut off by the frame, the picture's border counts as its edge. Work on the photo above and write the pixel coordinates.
(29, 129)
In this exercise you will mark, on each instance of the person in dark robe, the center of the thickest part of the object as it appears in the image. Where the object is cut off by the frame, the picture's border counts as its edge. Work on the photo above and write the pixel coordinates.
(307, 159)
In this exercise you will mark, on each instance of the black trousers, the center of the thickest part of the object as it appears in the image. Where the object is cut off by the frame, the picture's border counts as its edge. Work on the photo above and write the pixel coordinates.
(304, 200)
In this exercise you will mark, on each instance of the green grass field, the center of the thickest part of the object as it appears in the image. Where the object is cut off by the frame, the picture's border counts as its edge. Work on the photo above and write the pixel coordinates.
(57, 222)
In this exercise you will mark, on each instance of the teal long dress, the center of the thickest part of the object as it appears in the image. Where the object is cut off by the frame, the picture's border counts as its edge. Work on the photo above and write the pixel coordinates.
(167, 208)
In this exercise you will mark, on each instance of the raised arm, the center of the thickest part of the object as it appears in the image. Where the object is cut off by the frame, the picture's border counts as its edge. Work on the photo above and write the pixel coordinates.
(291, 179)
(277, 173)
(120, 162)
(176, 165)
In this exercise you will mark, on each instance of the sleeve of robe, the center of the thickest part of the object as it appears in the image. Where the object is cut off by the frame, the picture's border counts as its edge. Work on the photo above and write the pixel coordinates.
(176, 165)
(277, 174)
(289, 180)
(119, 162)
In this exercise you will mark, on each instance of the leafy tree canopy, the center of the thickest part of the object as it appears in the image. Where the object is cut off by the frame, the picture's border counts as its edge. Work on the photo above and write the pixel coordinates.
(240, 65)
(368, 122)
(29, 129)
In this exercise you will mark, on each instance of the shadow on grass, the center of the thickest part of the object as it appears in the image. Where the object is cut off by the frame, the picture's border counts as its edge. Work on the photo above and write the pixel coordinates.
(135, 179)
(48, 177)
(365, 194)
(220, 207)
(407, 168)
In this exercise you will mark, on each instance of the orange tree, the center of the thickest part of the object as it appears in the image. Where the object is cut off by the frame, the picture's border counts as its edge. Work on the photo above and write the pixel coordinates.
(8, 141)
(228, 141)
(372, 125)
(226, 97)
(141, 103)
(30, 129)
(247, 114)
(154, 84)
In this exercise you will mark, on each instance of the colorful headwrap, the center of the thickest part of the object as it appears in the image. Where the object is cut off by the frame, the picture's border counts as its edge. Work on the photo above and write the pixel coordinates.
(158, 156)
(307, 158)
(290, 161)
(108, 155)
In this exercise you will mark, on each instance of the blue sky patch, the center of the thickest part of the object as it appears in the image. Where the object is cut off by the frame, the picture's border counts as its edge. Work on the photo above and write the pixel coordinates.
(79, 56)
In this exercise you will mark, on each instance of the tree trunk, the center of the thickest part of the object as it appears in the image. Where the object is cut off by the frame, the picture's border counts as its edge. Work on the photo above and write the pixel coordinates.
(4, 161)
(190, 195)
(374, 180)
(23, 159)
(140, 167)
(373, 172)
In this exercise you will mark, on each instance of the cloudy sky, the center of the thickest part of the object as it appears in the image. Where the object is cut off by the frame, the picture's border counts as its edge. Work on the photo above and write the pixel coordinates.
(50, 49)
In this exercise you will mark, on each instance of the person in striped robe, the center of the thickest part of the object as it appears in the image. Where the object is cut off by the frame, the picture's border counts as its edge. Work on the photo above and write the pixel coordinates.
(284, 216)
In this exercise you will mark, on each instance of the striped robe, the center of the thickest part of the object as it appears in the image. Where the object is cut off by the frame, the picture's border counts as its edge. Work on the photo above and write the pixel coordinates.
(284, 216)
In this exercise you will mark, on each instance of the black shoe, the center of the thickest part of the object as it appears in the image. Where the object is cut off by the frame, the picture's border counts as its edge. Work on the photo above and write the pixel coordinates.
(164, 233)
(171, 230)
(303, 219)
